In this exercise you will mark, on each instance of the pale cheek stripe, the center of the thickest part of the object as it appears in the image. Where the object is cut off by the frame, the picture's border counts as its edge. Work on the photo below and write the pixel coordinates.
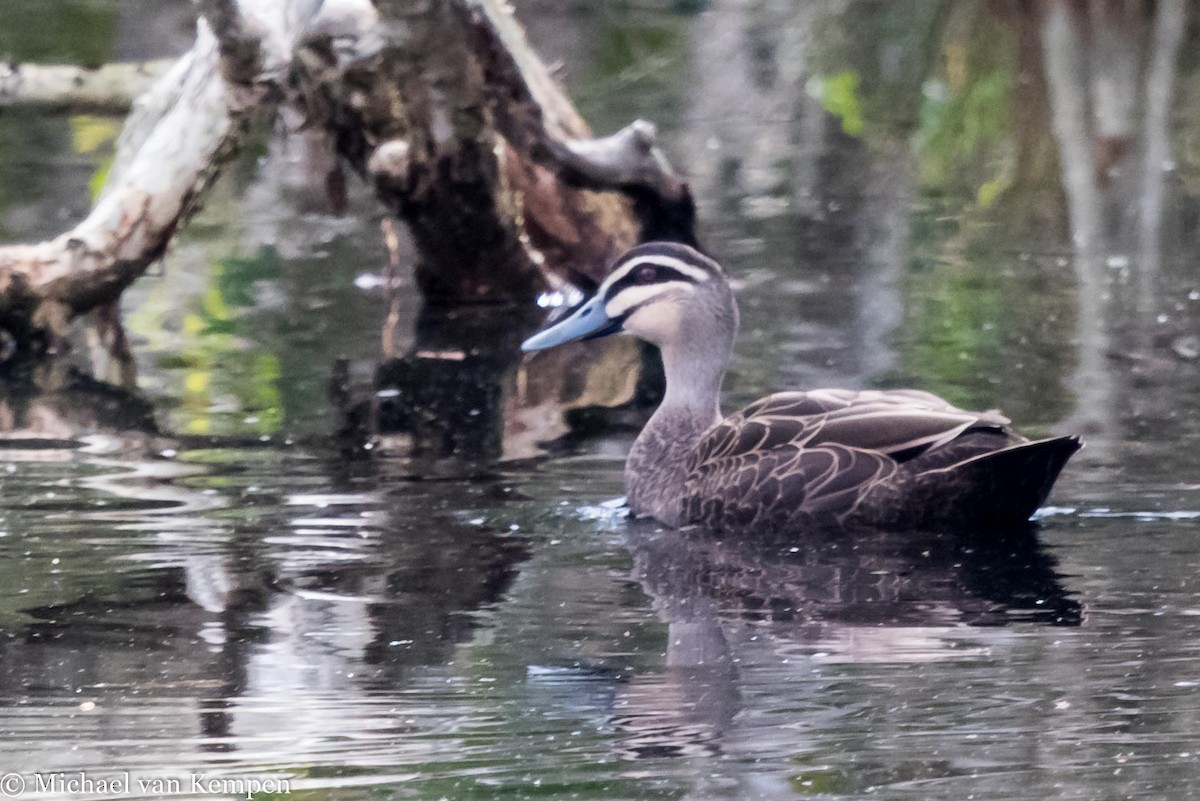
(632, 296)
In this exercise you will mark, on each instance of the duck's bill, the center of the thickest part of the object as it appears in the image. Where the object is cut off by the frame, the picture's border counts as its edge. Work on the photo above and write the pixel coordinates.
(588, 322)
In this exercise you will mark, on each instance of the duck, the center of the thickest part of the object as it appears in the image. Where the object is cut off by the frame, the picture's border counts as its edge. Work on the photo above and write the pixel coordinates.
(794, 460)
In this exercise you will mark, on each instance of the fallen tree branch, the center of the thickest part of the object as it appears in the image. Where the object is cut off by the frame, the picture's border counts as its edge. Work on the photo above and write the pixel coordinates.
(544, 125)
(109, 89)
(168, 154)
(172, 147)
(631, 161)
(539, 122)
(443, 106)
(468, 139)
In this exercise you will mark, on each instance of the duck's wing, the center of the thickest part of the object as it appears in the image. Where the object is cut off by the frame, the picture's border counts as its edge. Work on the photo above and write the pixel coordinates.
(815, 401)
(783, 487)
(902, 424)
(795, 456)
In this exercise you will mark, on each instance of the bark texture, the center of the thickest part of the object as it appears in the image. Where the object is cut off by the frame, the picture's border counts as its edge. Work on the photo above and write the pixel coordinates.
(110, 89)
(169, 152)
(173, 145)
(467, 137)
(443, 106)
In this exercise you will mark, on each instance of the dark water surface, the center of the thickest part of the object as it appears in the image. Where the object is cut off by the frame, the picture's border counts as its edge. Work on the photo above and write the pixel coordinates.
(995, 202)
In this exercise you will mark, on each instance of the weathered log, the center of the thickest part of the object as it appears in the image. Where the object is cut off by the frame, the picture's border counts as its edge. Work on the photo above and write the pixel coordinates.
(442, 105)
(109, 89)
(167, 154)
(170, 150)
(469, 140)
(537, 118)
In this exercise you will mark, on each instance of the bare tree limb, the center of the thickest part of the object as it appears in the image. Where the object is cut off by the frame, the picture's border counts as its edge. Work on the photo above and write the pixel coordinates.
(544, 125)
(449, 112)
(173, 145)
(441, 104)
(45, 285)
(110, 89)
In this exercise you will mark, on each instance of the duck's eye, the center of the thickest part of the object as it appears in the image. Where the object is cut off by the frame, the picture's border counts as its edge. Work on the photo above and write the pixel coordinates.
(646, 274)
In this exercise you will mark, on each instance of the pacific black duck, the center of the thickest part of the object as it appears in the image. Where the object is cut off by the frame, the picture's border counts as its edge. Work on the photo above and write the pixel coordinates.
(894, 458)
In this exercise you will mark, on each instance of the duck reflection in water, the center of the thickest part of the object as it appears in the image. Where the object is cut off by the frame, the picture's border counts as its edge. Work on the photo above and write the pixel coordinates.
(839, 597)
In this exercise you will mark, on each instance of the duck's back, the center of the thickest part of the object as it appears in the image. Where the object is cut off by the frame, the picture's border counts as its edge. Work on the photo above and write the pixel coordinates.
(896, 458)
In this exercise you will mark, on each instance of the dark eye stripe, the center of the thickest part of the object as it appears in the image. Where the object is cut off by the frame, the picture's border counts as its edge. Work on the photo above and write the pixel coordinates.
(665, 274)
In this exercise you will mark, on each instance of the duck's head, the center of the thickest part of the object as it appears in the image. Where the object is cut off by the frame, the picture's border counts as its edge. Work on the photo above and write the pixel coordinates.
(665, 293)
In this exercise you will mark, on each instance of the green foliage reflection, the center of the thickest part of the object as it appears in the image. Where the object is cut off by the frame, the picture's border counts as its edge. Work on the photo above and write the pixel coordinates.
(222, 368)
(839, 96)
(74, 31)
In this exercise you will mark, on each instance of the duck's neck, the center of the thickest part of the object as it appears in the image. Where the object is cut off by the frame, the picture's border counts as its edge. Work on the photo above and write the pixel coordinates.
(656, 469)
(694, 375)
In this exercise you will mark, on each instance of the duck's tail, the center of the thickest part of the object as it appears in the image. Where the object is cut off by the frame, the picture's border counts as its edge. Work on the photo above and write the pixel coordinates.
(1005, 487)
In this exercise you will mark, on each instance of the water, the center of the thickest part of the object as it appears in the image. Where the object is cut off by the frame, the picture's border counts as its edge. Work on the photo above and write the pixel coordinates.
(195, 581)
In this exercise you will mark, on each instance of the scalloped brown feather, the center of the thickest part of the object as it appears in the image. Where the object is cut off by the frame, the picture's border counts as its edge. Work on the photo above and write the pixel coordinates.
(899, 458)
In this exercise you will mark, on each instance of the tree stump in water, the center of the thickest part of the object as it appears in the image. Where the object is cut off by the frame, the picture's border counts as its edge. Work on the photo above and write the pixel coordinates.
(442, 106)
(465, 137)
